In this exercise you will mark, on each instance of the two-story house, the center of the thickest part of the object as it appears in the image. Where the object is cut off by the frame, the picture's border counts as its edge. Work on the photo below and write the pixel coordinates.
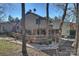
(37, 28)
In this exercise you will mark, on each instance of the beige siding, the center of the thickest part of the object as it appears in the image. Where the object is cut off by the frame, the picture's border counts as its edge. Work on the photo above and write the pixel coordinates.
(66, 29)
(31, 22)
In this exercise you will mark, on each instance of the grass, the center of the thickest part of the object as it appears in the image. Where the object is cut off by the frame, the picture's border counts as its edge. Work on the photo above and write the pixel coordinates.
(8, 48)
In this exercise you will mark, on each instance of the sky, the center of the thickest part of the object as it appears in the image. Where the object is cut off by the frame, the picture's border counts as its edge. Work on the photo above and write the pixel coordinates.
(15, 9)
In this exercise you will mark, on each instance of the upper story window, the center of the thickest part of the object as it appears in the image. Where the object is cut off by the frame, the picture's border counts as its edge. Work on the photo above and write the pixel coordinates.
(38, 21)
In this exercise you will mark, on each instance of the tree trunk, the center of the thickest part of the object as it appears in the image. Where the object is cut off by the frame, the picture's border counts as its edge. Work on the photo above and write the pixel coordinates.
(24, 51)
(47, 17)
(77, 30)
(62, 21)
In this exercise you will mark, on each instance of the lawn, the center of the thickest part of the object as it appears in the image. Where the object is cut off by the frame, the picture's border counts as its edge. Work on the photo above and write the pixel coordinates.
(8, 48)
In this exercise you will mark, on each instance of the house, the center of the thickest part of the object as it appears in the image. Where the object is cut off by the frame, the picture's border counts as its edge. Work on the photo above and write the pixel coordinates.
(10, 27)
(65, 27)
(5, 27)
(73, 27)
(68, 28)
(37, 28)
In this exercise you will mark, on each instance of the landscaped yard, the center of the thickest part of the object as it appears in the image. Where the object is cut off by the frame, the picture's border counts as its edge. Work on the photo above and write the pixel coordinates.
(8, 48)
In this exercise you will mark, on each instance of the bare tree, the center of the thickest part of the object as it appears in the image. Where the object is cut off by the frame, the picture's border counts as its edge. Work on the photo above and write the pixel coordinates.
(77, 29)
(10, 18)
(62, 21)
(47, 15)
(2, 14)
(24, 51)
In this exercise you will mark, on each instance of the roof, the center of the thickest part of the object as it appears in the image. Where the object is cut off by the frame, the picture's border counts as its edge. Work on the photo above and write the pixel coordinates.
(43, 18)
(34, 14)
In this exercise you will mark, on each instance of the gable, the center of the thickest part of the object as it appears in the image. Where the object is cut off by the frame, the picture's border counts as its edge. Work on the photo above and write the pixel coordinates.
(30, 14)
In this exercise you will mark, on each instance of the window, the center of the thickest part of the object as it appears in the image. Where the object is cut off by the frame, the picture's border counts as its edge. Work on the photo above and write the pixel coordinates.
(17, 27)
(38, 31)
(41, 31)
(37, 21)
(34, 31)
(50, 32)
(72, 33)
(3, 28)
(28, 32)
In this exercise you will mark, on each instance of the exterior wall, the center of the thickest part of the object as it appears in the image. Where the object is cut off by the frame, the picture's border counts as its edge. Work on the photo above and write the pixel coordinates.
(73, 26)
(9, 27)
(5, 27)
(56, 24)
(66, 29)
(31, 22)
